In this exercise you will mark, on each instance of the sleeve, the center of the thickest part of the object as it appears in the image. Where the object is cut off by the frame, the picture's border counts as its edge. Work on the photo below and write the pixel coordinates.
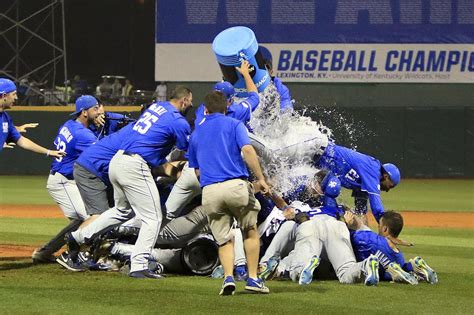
(285, 96)
(182, 132)
(376, 206)
(241, 135)
(13, 134)
(253, 100)
(192, 158)
(114, 119)
(86, 139)
(242, 111)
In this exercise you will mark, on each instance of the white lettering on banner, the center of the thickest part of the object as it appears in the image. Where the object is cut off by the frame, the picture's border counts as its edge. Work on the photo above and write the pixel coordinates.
(294, 12)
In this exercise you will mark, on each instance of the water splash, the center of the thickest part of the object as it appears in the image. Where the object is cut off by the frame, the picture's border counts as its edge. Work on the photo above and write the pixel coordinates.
(286, 142)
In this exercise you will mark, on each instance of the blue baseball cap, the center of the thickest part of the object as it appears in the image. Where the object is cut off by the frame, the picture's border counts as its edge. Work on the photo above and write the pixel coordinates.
(84, 103)
(393, 172)
(226, 88)
(331, 186)
(6, 86)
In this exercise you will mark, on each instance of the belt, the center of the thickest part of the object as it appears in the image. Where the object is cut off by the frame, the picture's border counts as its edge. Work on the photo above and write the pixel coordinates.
(70, 177)
(130, 153)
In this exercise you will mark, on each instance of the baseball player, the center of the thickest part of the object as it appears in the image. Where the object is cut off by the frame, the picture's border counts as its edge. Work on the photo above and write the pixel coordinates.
(361, 173)
(187, 186)
(324, 231)
(384, 245)
(73, 138)
(215, 153)
(153, 136)
(10, 134)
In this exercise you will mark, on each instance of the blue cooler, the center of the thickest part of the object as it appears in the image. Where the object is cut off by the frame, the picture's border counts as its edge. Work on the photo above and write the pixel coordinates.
(233, 45)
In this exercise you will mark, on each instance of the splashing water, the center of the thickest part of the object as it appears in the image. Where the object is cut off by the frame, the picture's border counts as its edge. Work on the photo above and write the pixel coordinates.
(286, 142)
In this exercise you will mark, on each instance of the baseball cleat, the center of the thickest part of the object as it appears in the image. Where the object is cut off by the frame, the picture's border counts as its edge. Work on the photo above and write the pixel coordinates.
(40, 256)
(241, 273)
(422, 270)
(268, 269)
(306, 275)
(73, 246)
(256, 285)
(399, 275)
(218, 272)
(144, 274)
(68, 263)
(228, 286)
(371, 271)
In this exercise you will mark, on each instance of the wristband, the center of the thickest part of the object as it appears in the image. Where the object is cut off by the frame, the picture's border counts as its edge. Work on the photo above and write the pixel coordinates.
(285, 207)
(48, 152)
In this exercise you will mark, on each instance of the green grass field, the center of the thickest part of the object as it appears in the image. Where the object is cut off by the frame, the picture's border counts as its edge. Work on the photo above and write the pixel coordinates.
(49, 289)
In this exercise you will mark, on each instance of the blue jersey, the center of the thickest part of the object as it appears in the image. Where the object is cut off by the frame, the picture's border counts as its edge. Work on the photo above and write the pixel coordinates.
(215, 149)
(112, 124)
(158, 130)
(96, 158)
(356, 171)
(241, 111)
(285, 97)
(9, 132)
(73, 138)
(366, 243)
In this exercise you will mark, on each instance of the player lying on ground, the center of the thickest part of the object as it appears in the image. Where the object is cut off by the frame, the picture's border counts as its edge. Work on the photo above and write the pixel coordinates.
(384, 245)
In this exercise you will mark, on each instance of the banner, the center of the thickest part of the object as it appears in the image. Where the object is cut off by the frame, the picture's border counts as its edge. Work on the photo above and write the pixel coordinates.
(425, 41)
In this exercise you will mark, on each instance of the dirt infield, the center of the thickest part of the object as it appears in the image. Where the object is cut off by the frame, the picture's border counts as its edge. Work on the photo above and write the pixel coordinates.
(411, 218)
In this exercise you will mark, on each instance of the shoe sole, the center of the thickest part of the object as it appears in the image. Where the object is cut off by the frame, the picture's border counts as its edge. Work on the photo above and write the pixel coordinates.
(268, 273)
(309, 269)
(373, 279)
(257, 290)
(400, 277)
(429, 274)
(65, 265)
(229, 289)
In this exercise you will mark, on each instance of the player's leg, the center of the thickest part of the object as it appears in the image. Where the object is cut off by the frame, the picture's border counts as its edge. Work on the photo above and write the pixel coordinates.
(308, 247)
(220, 221)
(180, 230)
(184, 190)
(341, 255)
(93, 193)
(283, 242)
(141, 192)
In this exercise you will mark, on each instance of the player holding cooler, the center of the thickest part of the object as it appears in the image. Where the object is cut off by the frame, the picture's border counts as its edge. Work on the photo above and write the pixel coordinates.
(215, 154)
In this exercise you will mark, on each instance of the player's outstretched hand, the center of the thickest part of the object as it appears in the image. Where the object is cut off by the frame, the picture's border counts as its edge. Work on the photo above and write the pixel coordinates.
(24, 127)
(56, 154)
(10, 145)
(244, 68)
(289, 213)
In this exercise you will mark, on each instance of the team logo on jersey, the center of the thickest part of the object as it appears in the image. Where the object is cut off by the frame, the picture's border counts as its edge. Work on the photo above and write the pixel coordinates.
(5, 127)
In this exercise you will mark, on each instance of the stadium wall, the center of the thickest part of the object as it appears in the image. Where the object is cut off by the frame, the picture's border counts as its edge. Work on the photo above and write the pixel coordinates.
(428, 130)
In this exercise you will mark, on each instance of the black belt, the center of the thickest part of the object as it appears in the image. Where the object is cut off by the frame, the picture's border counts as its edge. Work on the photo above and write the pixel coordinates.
(70, 177)
(129, 153)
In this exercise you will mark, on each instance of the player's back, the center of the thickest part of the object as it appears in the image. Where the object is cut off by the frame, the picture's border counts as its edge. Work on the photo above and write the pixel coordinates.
(350, 166)
(73, 138)
(96, 158)
(367, 242)
(153, 136)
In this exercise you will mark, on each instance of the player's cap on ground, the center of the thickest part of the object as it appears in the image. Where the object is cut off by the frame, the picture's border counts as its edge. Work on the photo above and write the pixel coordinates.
(393, 172)
(6, 86)
(84, 103)
(226, 88)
